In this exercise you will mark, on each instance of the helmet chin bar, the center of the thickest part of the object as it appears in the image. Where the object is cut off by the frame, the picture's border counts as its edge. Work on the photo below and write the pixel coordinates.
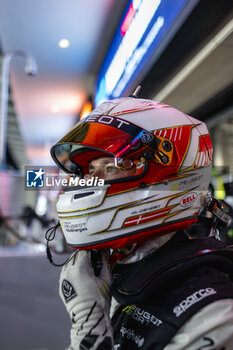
(116, 244)
(140, 235)
(88, 220)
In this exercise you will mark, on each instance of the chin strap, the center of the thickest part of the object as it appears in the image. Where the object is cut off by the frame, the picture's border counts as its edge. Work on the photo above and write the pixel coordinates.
(121, 253)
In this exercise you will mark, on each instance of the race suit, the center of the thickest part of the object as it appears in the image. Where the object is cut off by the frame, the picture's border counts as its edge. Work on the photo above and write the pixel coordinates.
(170, 295)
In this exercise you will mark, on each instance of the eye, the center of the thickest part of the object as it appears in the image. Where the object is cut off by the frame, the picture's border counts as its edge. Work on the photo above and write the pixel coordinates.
(91, 169)
(110, 169)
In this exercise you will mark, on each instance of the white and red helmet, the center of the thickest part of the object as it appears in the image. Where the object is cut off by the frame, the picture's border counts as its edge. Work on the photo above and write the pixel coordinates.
(172, 153)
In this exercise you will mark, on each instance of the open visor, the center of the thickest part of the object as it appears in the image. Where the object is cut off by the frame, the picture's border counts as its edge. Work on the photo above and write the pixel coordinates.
(101, 136)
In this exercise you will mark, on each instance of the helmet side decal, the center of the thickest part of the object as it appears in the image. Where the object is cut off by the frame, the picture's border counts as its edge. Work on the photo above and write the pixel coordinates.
(115, 209)
(143, 218)
(150, 215)
(173, 133)
(200, 150)
(181, 137)
(134, 205)
(169, 216)
(205, 152)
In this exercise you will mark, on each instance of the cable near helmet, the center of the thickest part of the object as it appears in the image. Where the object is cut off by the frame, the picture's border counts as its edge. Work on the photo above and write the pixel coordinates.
(160, 167)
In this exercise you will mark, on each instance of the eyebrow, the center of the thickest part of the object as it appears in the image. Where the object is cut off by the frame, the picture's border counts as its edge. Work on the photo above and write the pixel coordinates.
(107, 161)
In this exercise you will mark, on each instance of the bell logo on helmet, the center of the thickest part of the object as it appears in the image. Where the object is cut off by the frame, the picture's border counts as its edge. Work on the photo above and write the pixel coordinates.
(189, 199)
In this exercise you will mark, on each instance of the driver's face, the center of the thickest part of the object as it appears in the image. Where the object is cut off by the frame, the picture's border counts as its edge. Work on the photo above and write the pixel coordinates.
(104, 168)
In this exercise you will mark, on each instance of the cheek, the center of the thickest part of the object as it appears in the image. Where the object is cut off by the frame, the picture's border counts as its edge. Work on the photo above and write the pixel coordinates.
(112, 176)
(120, 174)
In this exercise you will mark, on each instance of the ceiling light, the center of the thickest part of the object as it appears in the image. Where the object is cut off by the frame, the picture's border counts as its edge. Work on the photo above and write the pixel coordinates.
(55, 109)
(87, 108)
(64, 43)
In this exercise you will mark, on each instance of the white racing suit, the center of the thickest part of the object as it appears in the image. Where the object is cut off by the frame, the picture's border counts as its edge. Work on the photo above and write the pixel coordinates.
(168, 295)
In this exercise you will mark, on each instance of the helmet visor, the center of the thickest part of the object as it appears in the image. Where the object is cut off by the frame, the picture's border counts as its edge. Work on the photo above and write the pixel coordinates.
(101, 136)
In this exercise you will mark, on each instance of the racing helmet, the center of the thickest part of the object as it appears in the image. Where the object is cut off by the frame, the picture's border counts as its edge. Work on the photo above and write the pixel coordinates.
(171, 154)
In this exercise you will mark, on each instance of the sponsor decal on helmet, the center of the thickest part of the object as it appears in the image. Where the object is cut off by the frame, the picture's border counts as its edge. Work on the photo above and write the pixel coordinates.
(147, 137)
(143, 218)
(80, 227)
(189, 199)
(143, 210)
(175, 187)
(191, 181)
(193, 299)
(106, 119)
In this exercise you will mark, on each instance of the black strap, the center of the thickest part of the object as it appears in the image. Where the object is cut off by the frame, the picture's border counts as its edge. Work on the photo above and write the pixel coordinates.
(172, 259)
